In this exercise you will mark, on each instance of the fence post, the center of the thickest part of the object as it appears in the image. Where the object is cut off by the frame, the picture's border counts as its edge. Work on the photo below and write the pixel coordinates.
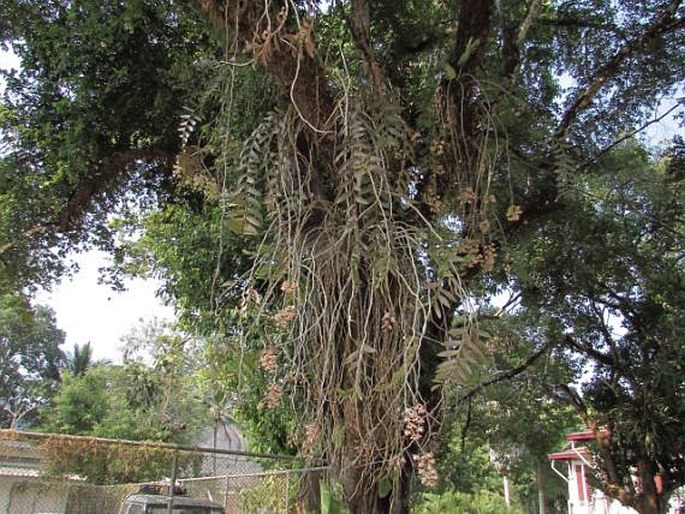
(174, 466)
(287, 492)
(226, 493)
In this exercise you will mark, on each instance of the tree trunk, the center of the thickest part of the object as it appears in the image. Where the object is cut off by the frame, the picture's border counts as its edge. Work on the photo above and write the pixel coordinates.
(507, 495)
(650, 500)
(363, 489)
(648, 505)
(309, 495)
(367, 498)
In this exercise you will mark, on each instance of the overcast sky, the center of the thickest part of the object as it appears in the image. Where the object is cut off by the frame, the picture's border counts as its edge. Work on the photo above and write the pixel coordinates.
(88, 311)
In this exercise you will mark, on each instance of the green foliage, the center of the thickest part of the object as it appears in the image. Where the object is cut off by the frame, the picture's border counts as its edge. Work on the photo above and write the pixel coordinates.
(453, 502)
(177, 246)
(97, 124)
(30, 359)
(608, 274)
(131, 402)
(26, 248)
(519, 428)
(508, 427)
(81, 403)
(80, 359)
(233, 386)
(270, 494)
(155, 401)
(115, 74)
(331, 502)
(467, 468)
(414, 148)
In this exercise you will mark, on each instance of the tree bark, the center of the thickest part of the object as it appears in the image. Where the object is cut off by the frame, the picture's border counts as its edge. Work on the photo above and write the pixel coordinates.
(309, 495)
(366, 499)
(649, 500)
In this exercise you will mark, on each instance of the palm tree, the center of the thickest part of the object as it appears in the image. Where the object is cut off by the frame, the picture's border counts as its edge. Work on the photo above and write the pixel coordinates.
(80, 359)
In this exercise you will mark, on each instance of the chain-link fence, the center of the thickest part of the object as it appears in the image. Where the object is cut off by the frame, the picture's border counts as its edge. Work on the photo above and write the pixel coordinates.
(51, 474)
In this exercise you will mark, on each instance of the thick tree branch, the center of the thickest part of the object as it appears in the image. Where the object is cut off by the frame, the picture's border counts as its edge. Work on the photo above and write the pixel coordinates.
(360, 26)
(504, 375)
(37, 229)
(460, 101)
(602, 358)
(604, 330)
(513, 39)
(472, 36)
(106, 173)
(664, 24)
(528, 22)
(287, 55)
(680, 104)
(568, 396)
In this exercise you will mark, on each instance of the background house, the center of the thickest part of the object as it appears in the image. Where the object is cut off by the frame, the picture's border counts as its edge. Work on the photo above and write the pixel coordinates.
(21, 488)
(573, 465)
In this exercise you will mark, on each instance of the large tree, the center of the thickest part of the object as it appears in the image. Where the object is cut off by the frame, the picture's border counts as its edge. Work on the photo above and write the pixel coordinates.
(30, 359)
(375, 158)
(611, 299)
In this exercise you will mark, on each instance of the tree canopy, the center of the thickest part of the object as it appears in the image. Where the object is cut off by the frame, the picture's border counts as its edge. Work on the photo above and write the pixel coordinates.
(150, 397)
(330, 189)
(30, 359)
(615, 299)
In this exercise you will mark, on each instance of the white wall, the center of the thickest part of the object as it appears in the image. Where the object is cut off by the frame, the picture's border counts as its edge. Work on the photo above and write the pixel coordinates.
(18, 496)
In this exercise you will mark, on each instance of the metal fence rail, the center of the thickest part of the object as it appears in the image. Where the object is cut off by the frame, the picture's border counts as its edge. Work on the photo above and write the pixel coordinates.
(57, 474)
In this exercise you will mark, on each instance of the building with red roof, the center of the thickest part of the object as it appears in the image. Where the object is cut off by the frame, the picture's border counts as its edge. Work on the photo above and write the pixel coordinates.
(574, 464)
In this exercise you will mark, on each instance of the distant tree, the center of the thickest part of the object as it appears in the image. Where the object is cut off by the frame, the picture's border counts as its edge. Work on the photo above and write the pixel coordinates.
(94, 404)
(30, 359)
(162, 364)
(80, 359)
(152, 395)
(505, 424)
(81, 403)
(604, 285)
(132, 402)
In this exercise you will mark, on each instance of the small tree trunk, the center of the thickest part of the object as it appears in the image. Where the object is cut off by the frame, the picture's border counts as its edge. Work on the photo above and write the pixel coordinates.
(507, 495)
(648, 505)
(651, 500)
(309, 495)
(541, 490)
(367, 500)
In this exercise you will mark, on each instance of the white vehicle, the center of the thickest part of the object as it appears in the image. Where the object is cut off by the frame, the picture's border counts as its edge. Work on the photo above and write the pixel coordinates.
(141, 503)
